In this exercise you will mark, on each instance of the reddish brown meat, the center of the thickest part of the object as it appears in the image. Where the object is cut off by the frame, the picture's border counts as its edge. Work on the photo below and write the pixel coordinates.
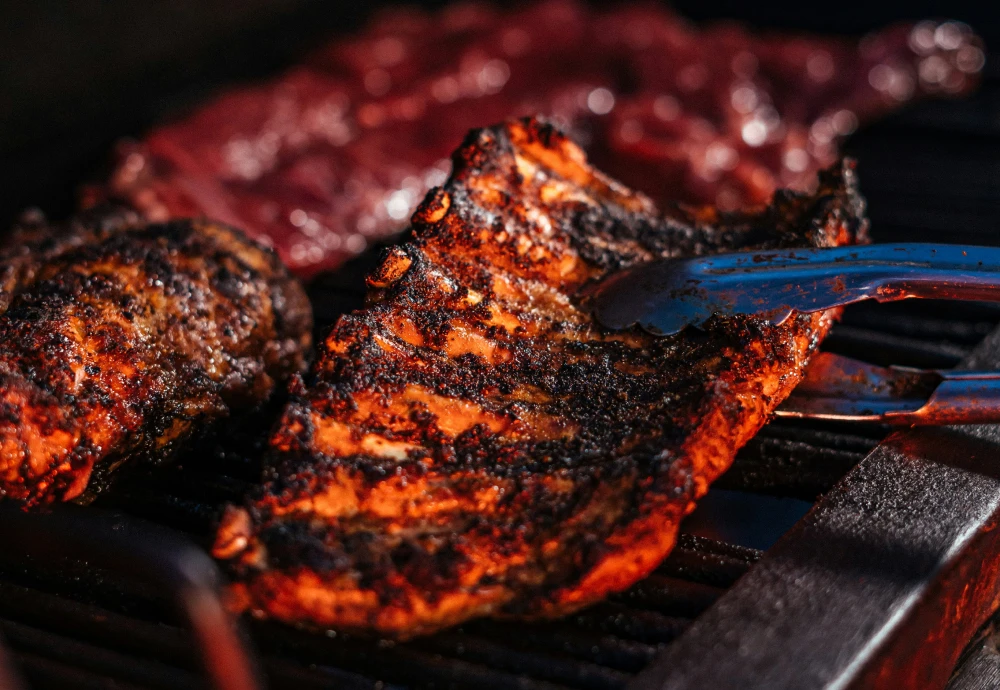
(339, 152)
(120, 340)
(472, 444)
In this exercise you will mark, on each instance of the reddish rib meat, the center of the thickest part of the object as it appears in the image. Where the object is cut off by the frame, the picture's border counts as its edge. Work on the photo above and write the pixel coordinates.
(338, 152)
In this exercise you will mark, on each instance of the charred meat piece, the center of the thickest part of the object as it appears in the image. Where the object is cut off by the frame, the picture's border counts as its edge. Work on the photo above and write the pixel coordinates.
(472, 444)
(120, 339)
(340, 150)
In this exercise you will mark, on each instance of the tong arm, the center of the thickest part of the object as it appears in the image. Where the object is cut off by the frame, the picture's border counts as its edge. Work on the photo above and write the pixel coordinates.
(843, 389)
(665, 296)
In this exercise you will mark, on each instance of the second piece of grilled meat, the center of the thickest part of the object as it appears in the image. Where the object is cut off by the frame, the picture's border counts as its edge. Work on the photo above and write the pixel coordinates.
(472, 443)
(120, 339)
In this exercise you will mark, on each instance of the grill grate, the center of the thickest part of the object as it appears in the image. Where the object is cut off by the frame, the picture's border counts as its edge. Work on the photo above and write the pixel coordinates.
(94, 627)
(929, 175)
(84, 628)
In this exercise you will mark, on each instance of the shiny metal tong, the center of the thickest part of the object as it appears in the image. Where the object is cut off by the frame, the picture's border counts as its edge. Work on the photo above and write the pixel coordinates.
(664, 297)
(844, 389)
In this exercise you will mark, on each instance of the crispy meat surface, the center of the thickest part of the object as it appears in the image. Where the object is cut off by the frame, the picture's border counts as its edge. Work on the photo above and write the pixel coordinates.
(472, 444)
(120, 339)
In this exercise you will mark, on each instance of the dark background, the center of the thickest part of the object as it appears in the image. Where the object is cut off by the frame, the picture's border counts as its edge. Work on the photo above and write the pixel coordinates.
(76, 76)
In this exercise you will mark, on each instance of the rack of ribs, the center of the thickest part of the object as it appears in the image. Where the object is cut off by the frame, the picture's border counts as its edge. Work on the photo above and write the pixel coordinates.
(335, 154)
(472, 444)
(120, 339)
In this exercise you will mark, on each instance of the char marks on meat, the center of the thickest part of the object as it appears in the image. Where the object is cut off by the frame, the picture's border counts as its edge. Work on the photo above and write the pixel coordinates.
(339, 151)
(472, 443)
(120, 340)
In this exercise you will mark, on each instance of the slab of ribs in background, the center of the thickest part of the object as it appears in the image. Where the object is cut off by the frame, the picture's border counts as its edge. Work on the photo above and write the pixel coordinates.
(337, 152)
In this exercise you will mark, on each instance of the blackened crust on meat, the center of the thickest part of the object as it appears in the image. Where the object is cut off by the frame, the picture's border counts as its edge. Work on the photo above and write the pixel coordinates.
(472, 444)
(120, 339)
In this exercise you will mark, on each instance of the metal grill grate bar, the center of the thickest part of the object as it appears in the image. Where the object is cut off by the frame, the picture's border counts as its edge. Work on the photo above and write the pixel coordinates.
(598, 648)
(45, 674)
(96, 659)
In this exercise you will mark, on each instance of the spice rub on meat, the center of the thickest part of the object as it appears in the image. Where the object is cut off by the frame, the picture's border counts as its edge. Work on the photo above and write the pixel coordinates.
(121, 339)
(472, 444)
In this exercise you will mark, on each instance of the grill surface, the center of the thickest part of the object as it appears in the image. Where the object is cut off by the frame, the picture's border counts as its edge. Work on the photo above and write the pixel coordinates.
(930, 175)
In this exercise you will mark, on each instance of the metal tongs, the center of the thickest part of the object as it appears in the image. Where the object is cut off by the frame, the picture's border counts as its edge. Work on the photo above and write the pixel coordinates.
(665, 296)
(844, 389)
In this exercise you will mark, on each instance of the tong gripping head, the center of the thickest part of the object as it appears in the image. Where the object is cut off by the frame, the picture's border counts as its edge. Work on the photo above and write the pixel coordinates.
(664, 297)
(843, 389)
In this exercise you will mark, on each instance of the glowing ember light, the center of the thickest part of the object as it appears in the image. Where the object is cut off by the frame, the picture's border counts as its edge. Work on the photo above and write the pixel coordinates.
(600, 101)
(330, 241)
(744, 99)
(721, 156)
(630, 131)
(880, 77)
(844, 122)
(822, 131)
(934, 70)
(891, 81)
(398, 205)
(796, 160)
(493, 76)
(820, 66)
(446, 89)
(355, 243)
(769, 116)
(948, 36)
(922, 38)
(754, 133)
(666, 107)
(311, 228)
(970, 59)
(437, 175)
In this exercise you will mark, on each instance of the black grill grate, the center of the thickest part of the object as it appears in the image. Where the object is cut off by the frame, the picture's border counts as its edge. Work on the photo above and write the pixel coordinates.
(930, 175)
(89, 627)
(82, 628)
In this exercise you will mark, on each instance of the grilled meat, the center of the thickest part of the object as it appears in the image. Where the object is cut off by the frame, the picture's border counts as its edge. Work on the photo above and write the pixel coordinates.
(472, 444)
(340, 150)
(119, 340)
